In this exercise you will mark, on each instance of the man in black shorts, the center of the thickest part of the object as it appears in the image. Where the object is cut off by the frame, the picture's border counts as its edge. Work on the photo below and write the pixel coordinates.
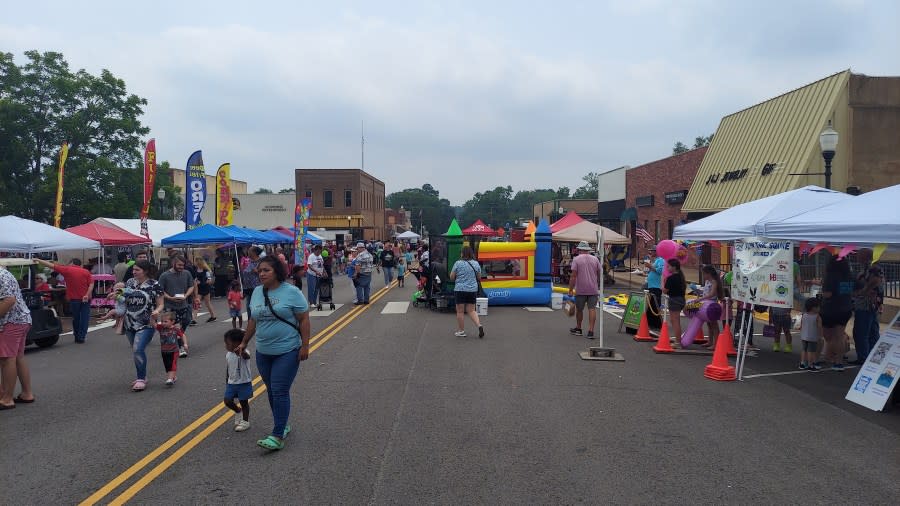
(178, 290)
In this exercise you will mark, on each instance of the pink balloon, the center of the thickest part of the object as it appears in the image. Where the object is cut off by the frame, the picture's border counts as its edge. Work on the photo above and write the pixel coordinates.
(667, 248)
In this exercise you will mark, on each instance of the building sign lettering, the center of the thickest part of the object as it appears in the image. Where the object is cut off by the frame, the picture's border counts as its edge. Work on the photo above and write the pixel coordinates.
(734, 175)
(676, 197)
(273, 209)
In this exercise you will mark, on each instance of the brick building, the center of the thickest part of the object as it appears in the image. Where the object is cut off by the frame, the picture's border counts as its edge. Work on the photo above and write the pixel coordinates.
(655, 192)
(342, 199)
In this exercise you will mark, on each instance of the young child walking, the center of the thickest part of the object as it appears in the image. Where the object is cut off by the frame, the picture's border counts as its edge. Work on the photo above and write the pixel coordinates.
(169, 336)
(235, 301)
(239, 380)
(117, 295)
(401, 270)
(810, 333)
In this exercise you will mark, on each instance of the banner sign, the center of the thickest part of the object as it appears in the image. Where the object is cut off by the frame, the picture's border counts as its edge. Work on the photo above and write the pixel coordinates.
(878, 376)
(224, 204)
(195, 194)
(763, 272)
(63, 154)
(301, 225)
(149, 183)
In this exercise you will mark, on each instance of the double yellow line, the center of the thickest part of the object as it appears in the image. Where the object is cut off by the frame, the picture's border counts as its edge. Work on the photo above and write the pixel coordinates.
(315, 343)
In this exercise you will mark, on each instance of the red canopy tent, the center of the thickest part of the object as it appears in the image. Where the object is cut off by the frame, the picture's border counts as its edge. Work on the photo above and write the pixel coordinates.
(108, 236)
(285, 231)
(479, 229)
(571, 218)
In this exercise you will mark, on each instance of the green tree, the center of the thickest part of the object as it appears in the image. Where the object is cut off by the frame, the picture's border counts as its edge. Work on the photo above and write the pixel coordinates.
(42, 104)
(679, 148)
(494, 207)
(264, 190)
(286, 190)
(590, 188)
(172, 205)
(702, 141)
(425, 206)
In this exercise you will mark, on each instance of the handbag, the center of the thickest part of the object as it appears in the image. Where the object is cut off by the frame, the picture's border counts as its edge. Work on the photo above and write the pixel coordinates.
(768, 330)
(480, 293)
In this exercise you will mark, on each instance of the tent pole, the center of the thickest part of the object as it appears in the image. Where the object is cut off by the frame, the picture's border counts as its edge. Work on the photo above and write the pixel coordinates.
(602, 297)
(237, 261)
(742, 346)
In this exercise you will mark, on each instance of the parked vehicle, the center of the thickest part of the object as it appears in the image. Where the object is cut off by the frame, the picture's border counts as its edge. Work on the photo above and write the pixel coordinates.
(45, 323)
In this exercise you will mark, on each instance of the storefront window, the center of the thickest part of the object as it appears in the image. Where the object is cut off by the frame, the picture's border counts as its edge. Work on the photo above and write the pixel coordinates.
(329, 199)
(348, 198)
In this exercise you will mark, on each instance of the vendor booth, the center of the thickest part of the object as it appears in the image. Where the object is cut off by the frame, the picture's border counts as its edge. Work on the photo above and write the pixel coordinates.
(18, 235)
(156, 228)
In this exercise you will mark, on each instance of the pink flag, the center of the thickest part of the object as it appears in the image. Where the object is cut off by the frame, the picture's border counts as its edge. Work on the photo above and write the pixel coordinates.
(817, 248)
(846, 250)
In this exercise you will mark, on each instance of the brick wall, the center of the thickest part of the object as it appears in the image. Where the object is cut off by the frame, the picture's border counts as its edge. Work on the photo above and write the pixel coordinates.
(672, 174)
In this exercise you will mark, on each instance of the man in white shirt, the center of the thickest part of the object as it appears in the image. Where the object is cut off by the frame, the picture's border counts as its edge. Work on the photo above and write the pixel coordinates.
(315, 271)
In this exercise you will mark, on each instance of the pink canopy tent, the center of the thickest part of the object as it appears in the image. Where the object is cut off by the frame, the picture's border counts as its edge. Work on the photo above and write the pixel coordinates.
(479, 229)
(108, 236)
(571, 218)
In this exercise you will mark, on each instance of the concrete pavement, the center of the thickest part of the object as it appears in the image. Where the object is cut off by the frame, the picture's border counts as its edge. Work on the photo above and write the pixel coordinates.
(393, 408)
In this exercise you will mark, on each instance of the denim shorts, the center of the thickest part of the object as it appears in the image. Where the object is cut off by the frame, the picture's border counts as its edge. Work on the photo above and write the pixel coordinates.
(241, 391)
(235, 313)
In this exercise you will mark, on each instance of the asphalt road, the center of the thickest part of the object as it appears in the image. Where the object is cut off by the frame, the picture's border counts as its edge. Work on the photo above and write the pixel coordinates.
(393, 409)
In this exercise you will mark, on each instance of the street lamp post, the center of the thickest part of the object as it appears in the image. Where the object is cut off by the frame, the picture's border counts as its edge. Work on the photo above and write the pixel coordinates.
(828, 141)
(349, 218)
(161, 195)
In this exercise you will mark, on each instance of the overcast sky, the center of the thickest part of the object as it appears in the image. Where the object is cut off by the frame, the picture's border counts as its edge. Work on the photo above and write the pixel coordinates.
(463, 95)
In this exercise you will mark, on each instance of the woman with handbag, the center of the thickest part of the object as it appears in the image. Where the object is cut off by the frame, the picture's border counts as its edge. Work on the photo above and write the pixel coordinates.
(280, 323)
(466, 273)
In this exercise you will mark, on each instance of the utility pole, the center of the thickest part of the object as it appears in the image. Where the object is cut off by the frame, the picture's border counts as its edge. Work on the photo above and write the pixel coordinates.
(362, 131)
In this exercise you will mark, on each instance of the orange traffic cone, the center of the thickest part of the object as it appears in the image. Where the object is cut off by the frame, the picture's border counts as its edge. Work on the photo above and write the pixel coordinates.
(719, 369)
(729, 340)
(700, 339)
(643, 333)
(662, 344)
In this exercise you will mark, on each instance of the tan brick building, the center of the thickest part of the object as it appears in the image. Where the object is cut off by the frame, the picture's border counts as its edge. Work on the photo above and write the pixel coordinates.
(342, 199)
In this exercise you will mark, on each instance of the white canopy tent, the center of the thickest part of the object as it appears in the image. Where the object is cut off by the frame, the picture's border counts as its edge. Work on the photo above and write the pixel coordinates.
(587, 231)
(18, 235)
(409, 234)
(868, 219)
(751, 218)
(158, 229)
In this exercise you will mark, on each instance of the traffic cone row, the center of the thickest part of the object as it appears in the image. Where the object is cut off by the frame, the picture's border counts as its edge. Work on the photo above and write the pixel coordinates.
(643, 333)
(663, 344)
(719, 369)
(728, 337)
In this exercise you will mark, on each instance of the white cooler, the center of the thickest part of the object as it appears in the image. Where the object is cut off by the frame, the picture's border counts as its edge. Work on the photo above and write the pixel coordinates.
(481, 306)
(556, 300)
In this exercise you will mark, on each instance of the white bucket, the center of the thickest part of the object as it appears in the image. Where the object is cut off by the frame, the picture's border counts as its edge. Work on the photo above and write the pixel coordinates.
(556, 300)
(481, 305)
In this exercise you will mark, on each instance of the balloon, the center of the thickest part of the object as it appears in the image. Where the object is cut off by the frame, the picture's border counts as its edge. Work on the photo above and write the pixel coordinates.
(667, 249)
(709, 311)
(682, 254)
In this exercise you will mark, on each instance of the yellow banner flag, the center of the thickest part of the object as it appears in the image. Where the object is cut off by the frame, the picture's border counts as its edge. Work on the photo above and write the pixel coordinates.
(224, 202)
(877, 251)
(63, 154)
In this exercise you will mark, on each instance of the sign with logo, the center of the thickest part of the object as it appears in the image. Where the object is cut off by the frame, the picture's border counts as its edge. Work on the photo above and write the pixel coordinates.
(645, 201)
(676, 197)
(634, 309)
(762, 272)
(195, 195)
(878, 376)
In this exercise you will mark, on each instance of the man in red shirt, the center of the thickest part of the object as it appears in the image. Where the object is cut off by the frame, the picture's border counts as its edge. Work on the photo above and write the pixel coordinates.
(79, 287)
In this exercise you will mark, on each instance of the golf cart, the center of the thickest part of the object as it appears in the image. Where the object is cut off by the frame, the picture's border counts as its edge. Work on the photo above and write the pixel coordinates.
(45, 324)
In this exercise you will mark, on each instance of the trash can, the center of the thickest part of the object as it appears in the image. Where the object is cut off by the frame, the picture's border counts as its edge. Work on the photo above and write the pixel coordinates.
(556, 300)
(481, 306)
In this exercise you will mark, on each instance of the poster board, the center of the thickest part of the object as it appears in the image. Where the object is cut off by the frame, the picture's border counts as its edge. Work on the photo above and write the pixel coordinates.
(634, 309)
(763, 272)
(878, 376)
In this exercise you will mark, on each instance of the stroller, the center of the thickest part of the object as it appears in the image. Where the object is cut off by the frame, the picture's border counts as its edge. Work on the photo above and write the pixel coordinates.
(325, 286)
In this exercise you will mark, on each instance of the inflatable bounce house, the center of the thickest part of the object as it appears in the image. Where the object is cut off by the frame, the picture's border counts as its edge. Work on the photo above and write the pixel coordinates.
(512, 273)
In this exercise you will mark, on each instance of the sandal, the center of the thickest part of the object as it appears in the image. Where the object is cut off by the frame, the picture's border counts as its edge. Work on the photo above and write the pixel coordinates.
(287, 430)
(20, 400)
(271, 443)
(4, 407)
(138, 386)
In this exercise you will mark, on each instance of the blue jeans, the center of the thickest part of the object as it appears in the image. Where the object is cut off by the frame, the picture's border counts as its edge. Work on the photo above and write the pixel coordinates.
(363, 283)
(139, 341)
(388, 275)
(278, 373)
(865, 332)
(81, 316)
(312, 288)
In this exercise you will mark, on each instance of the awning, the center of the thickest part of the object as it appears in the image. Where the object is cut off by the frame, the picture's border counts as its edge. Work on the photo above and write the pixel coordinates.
(108, 236)
(479, 229)
(571, 218)
(18, 235)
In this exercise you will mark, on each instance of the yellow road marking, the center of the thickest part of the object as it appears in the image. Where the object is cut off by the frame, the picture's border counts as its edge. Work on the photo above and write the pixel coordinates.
(320, 338)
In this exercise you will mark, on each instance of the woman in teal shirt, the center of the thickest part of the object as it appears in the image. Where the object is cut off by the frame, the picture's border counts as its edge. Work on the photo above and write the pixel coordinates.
(280, 323)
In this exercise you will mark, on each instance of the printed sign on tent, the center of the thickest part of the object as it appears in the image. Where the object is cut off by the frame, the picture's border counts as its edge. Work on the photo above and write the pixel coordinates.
(878, 376)
(763, 272)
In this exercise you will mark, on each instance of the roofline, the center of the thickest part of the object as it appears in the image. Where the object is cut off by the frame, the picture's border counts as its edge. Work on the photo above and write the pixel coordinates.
(670, 156)
(344, 170)
(785, 93)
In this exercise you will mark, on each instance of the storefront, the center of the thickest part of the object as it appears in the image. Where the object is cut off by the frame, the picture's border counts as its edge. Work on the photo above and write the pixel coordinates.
(654, 194)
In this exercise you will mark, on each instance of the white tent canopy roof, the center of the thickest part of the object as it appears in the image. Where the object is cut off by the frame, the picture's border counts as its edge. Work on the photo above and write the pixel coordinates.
(409, 234)
(158, 229)
(868, 219)
(751, 218)
(587, 231)
(18, 235)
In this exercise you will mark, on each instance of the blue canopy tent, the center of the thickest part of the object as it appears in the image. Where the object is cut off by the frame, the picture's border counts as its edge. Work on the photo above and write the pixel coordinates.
(204, 234)
(253, 236)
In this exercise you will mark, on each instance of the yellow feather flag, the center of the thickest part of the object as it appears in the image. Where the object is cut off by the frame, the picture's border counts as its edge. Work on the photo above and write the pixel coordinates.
(877, 251)
(63, 154)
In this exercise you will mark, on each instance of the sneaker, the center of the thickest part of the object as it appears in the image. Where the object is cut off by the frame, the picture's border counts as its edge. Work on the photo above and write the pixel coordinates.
(480, 332)
(182, 352)
(242, 426)
(193, 323)
(138, 385)
(575, 331)
(815, 367)
(170, 382)
(211, 319)
(776, 347)
(460, 333)
(837, 367)
(238, 418)
(788, 348)
(803, 365)
(590, 334)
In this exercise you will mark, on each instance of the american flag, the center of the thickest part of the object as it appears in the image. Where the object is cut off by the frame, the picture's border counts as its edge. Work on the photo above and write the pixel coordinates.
(643, 234)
